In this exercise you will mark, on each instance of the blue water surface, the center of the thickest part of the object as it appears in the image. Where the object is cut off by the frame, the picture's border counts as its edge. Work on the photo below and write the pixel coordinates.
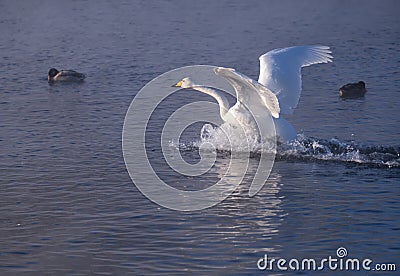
(68, 205)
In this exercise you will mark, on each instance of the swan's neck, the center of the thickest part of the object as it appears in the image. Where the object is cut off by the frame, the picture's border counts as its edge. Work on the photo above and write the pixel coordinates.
(217, 95)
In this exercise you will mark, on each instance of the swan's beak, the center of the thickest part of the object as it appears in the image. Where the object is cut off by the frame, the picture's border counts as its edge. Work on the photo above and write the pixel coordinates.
(178, 84)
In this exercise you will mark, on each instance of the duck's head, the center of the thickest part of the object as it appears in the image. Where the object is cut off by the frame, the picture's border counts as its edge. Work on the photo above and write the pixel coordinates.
(184, 83)
(361, 83)
(52, 73)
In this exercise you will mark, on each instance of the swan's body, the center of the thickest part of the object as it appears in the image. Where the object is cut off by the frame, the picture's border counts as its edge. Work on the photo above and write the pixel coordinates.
(65, 76)
(284, 130)
(239, 113)
(277, 91)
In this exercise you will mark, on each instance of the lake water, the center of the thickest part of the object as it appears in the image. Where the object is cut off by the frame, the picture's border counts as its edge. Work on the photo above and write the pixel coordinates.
(68, 205)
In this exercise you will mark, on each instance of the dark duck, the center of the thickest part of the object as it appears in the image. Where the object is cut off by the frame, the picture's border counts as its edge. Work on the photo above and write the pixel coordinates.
(353, 90)
(64, 76)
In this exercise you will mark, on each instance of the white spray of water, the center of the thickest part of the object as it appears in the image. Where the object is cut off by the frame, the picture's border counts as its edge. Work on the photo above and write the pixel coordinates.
(227, 138)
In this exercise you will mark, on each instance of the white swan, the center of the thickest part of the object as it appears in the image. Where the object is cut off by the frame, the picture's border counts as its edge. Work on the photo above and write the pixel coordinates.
(249, 94)
(277, 91)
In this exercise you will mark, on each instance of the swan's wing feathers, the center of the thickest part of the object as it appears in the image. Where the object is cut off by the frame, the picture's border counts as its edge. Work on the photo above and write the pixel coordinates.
(243, 84)
(315, 55)
(280, 71)
(269, 99)
(298, 55)
(231, 76)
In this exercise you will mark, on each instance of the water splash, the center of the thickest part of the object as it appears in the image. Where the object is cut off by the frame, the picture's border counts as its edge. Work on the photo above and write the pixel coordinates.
(227, 138)
(303, 148)
(309, 148)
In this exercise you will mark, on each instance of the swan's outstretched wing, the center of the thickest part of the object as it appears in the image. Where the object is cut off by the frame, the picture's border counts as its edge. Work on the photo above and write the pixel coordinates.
(243, 84)
(280, 71)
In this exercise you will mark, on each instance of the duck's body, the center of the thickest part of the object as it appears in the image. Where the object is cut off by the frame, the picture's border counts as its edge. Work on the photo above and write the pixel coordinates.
(65, 76)
(353, 90)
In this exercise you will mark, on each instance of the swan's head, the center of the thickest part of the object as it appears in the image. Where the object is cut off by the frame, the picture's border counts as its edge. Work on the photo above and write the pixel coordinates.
(184, 83)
